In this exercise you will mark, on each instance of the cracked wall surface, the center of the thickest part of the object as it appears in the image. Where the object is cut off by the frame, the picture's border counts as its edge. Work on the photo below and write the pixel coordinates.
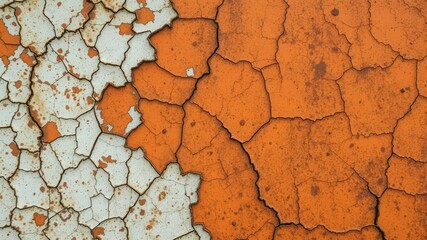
(213, 119)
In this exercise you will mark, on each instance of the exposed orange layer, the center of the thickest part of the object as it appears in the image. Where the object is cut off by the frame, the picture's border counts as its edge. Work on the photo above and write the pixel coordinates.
(155, 83)
(236, 95)
(196, 8)
(304, 119)
(114, 108)
(228, 199)
(50, 132)
(188, 44)
(160, 133)
(252, 34)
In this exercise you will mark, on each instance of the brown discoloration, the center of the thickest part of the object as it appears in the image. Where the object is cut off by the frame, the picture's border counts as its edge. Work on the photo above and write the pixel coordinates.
(87, 7)
(102, 164)
(15, 149)
(162, 196)
(98, 231)
(18, 84)
(108, 159)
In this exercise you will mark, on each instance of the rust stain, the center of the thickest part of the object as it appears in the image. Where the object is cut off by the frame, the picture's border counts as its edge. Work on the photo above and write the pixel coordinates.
(144, 15)
(39, 219)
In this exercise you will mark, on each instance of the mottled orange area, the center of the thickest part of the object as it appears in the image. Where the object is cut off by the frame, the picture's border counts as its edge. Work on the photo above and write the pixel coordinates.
(316, 167)
(368, 156)
(403, 216)
(352, 20)
(188, 44)
(410, 132)
(298, 232)
(155, 83)
(160, 133)
(401, 24)
(213, 119)
(422, 77)
(375, 98)
(114, 108)
(50, 132)
(39, 219)
(228, 203)
(197, 8)
(407, 175)
(311, 54)
(338, 206)
(252, 34)
(236, 95)
(144, 15)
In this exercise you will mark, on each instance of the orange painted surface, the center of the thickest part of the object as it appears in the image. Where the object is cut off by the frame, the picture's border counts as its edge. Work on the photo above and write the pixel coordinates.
(234, 93)
(298, 232)
(187, 44)
(301, 119)
(155, 83)
(114, 107)
(197, 8)
(229, 201)
(160, 133)
(252, 34)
